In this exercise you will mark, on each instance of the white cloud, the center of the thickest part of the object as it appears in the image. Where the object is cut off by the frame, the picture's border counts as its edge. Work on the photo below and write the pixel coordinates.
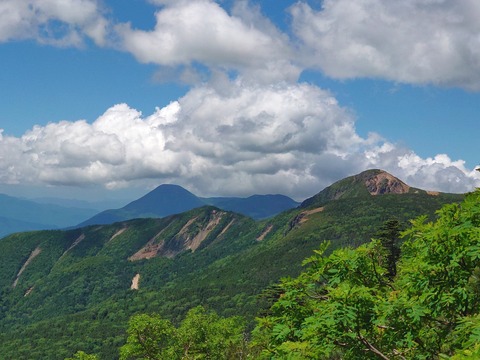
(439, 173)
(237, 139)
(413, 41)
(201, 31)
(56, 22)
(261, 132)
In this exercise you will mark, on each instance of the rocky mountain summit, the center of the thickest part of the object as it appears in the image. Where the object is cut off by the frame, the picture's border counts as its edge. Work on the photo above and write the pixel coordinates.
(368, 183)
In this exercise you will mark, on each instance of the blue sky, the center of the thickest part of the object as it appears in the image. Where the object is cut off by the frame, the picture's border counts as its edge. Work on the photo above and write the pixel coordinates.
(112, 98)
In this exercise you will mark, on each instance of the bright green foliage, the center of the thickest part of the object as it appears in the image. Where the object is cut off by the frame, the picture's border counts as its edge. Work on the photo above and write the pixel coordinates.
(346, 305)
(330, 309)
(204, 335)
(80, 355)
(201, 335)
(150, 337)
(438, 277)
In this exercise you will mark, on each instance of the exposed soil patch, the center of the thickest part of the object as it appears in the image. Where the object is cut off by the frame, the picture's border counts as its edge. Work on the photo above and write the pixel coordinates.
(75, 243)
(265, 232)
(28, 291)
(202, 234)
(32, 256)
(185, 227)
(227, 227)
(150, 249)
(147, 252)
(433, 193)
(135, 282)
(310, 212)
(302, 218)
(119, 232)
(188, 238)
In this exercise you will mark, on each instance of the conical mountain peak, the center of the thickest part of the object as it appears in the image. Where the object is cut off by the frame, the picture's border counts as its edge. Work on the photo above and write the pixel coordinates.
(164, 200)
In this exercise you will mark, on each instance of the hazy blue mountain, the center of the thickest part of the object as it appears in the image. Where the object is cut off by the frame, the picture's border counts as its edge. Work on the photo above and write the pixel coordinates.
(164, 200)
(256, 206)
(22, 215)
(10, 226)
(94, 206)
(171, 199)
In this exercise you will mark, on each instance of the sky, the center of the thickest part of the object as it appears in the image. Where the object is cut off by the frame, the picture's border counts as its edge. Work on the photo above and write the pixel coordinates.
(111, 98)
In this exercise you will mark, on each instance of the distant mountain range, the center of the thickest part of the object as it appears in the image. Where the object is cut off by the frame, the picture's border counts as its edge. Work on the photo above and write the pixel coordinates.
(17, 215)
(24, 215)
(171, 199)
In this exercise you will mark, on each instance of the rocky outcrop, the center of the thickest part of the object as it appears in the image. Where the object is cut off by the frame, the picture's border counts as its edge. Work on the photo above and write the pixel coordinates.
(190, 237)
(384, 183)
(302, 218)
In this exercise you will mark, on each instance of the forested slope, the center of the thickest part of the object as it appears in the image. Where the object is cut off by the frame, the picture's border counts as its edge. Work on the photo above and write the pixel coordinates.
(72, 290)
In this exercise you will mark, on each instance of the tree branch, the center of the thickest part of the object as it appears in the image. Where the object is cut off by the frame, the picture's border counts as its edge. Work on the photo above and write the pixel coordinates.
(372, 348)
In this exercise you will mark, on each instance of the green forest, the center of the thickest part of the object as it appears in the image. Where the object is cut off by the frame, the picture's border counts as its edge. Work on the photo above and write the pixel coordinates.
(395, 276)
(413, 295)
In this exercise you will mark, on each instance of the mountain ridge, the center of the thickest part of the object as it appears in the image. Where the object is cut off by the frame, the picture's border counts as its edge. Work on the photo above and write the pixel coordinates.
(169, 199)
(371, 182)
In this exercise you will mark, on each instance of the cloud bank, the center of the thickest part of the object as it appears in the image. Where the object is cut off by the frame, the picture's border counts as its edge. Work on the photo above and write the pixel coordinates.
(284, 138)
(251, 127)
(201, 31)
(409, 41)
(53, 22)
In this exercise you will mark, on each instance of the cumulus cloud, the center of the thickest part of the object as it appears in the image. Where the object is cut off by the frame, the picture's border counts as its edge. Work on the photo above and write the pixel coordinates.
(291, 139)
(55, 22)
(439, 172)
(201, 31)
(412, 41)
(260, 132)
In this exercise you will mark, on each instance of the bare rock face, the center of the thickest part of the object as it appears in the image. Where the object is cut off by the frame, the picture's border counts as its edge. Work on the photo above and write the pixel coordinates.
(384, 183)
(192, 234)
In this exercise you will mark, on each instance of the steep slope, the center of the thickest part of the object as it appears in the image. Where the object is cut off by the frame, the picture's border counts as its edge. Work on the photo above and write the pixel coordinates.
(80, 286)
(101, 259)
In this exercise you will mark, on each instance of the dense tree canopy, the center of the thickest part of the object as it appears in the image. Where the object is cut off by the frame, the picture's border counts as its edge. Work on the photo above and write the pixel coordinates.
(353, 304)
(201, 335)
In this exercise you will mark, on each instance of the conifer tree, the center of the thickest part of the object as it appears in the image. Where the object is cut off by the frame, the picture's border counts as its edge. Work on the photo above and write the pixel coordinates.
(389, 235)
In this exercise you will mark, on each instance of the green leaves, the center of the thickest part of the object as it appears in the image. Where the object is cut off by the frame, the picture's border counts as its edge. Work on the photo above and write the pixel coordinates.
(370, 303)
(331, 306)
(149, 336)
(80, 355)
(201, 335)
